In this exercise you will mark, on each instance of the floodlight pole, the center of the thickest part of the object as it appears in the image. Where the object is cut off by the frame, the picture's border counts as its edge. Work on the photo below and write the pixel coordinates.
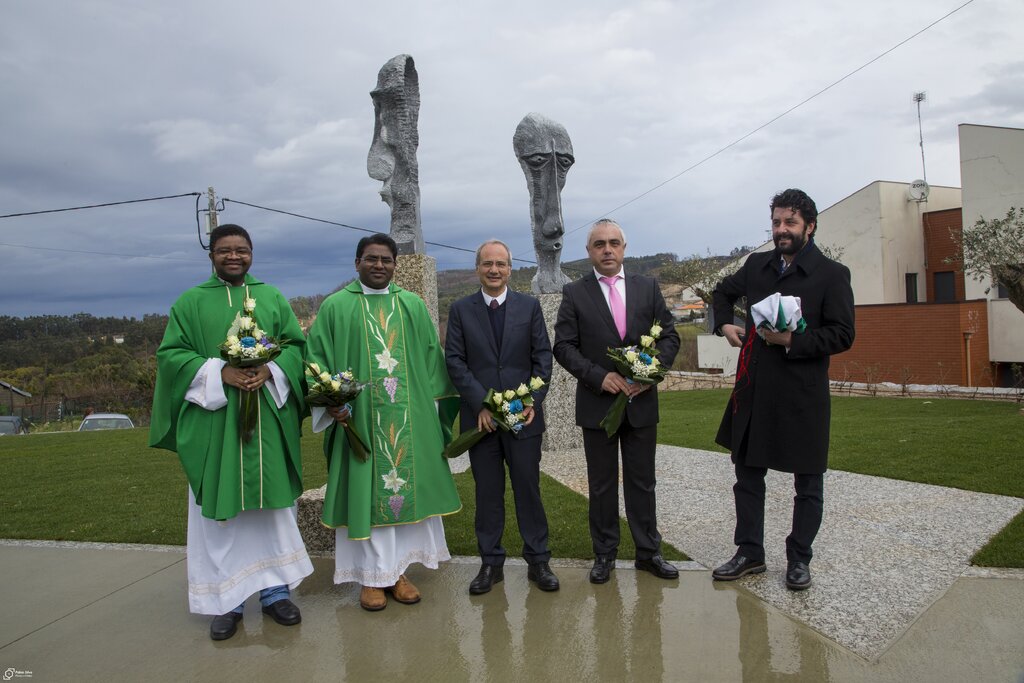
(919, 97)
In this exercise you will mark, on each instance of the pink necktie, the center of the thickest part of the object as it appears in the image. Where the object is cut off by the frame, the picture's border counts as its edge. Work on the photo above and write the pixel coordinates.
(616, 304)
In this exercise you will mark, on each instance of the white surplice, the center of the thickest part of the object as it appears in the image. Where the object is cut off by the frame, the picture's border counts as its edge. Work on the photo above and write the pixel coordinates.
(230, 560)
(381, 559)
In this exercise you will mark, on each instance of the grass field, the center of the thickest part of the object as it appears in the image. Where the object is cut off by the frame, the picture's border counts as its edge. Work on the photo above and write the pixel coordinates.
(108, 486)
(972, 445)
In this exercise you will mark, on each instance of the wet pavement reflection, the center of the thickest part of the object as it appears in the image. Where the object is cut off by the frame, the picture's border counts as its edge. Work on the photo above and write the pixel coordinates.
(117, 614)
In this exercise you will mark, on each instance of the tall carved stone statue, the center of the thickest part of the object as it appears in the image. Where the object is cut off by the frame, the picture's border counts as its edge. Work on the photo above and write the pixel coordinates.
(545, 153)
(392, 157)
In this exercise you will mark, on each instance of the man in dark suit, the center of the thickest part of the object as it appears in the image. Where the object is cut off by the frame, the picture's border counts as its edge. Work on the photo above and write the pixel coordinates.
(778, 415)
(497, 339)
(608, 308)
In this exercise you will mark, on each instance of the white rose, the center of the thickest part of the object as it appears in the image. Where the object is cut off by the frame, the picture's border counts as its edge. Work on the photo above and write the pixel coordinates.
(646, 341)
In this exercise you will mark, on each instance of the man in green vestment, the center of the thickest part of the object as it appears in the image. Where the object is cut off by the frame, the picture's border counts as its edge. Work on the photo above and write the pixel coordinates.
(242, 530)
(387, 509)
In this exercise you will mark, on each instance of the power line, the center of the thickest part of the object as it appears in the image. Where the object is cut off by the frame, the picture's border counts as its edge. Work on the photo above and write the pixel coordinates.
(355, 227)
(771, 121)
(162, 258)
(97, 206)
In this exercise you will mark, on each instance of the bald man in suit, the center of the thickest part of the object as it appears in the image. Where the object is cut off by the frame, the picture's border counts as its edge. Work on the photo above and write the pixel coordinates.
(610, 308)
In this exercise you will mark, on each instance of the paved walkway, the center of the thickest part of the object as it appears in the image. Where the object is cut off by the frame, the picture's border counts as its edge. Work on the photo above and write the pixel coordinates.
(88, 612)
(95, 612)
(887, 549)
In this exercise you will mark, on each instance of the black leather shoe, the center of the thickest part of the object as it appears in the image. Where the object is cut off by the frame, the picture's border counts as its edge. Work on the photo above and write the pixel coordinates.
(488, 575)
(283, 612)
(659, 567)
(736, 567)
(540, 573)
(224, 626)
(798, 576)
(602, 570)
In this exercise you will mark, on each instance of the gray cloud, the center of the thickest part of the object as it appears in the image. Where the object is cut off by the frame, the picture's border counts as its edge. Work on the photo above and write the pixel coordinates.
(109, 100)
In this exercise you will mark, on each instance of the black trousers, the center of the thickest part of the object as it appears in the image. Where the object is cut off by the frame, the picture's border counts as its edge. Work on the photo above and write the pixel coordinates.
(808, 507)
(488, 460)
(638, 445)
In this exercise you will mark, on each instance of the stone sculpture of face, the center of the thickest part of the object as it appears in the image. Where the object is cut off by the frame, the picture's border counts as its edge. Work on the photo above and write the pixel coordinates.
(545, 154)
(392, 157)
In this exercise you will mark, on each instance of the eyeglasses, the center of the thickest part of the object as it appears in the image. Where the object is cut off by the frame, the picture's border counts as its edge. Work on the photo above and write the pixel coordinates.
(374, 260)
(226, 251)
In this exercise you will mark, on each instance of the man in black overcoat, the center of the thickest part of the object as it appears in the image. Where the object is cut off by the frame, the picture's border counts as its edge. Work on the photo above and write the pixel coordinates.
(497, 339)
(778, 415)
(584, 330)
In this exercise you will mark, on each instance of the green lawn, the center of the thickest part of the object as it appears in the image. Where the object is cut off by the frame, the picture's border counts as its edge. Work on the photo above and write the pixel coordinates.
(108, 486)
(972, 445)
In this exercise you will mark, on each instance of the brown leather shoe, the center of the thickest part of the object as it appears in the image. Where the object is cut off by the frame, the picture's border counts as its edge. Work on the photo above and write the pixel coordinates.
(403, 591)
(373, 599)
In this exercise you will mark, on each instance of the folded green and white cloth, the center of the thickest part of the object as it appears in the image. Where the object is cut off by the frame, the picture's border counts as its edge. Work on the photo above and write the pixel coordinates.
(778, 313)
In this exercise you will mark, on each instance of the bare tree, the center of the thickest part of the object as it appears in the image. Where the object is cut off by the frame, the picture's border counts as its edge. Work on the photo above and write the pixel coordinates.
(699, 273)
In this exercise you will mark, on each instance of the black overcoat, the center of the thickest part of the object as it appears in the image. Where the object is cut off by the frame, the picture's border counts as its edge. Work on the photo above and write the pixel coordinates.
(780, 403)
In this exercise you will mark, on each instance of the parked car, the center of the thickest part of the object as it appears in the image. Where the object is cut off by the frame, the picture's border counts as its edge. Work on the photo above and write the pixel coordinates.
(12, 424)
(105, 421)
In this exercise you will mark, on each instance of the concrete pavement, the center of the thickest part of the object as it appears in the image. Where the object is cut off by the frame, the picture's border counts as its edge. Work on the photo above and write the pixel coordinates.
(95, 612)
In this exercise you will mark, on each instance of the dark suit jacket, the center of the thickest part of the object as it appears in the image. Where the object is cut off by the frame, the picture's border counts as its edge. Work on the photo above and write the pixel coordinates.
(475, 365)
(781, 401)
(585, 330)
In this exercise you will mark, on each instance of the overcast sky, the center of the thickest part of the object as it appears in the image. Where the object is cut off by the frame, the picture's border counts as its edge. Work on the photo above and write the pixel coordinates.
(269, 103)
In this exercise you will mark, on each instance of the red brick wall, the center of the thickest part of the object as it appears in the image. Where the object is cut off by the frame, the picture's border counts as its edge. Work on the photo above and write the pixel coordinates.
(939, 245)
(918, 344)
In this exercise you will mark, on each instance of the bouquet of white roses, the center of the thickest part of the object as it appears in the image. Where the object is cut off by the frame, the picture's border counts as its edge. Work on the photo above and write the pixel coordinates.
(335, 391)
(506, 408)
(638, 364)
(247, 346)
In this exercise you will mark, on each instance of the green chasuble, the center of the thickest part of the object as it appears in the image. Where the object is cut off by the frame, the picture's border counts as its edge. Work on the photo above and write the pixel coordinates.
(226, 475)
(389, 342)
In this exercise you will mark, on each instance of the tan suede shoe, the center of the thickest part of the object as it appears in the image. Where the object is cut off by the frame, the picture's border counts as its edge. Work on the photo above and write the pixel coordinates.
(373, 599)
(403, 591)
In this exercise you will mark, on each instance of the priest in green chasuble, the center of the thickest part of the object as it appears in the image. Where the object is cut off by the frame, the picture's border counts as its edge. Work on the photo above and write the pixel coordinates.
(242, 530)
(387, 509)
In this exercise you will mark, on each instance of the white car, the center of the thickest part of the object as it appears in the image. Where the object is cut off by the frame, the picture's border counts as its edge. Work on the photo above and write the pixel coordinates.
(105, 421)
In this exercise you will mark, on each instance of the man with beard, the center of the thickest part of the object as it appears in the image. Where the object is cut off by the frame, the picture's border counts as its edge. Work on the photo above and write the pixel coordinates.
(242, 530)
(778, 415)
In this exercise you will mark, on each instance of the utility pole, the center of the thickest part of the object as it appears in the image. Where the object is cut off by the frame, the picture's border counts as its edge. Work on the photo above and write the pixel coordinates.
(211, 218)
(919, 97)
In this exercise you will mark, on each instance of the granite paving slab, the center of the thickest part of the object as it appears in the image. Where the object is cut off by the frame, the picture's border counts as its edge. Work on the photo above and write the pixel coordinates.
(886, 551)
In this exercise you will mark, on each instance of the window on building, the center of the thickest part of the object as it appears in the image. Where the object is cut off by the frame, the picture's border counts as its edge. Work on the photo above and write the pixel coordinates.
(1001, 291)
(911, 279)
(945, 286)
